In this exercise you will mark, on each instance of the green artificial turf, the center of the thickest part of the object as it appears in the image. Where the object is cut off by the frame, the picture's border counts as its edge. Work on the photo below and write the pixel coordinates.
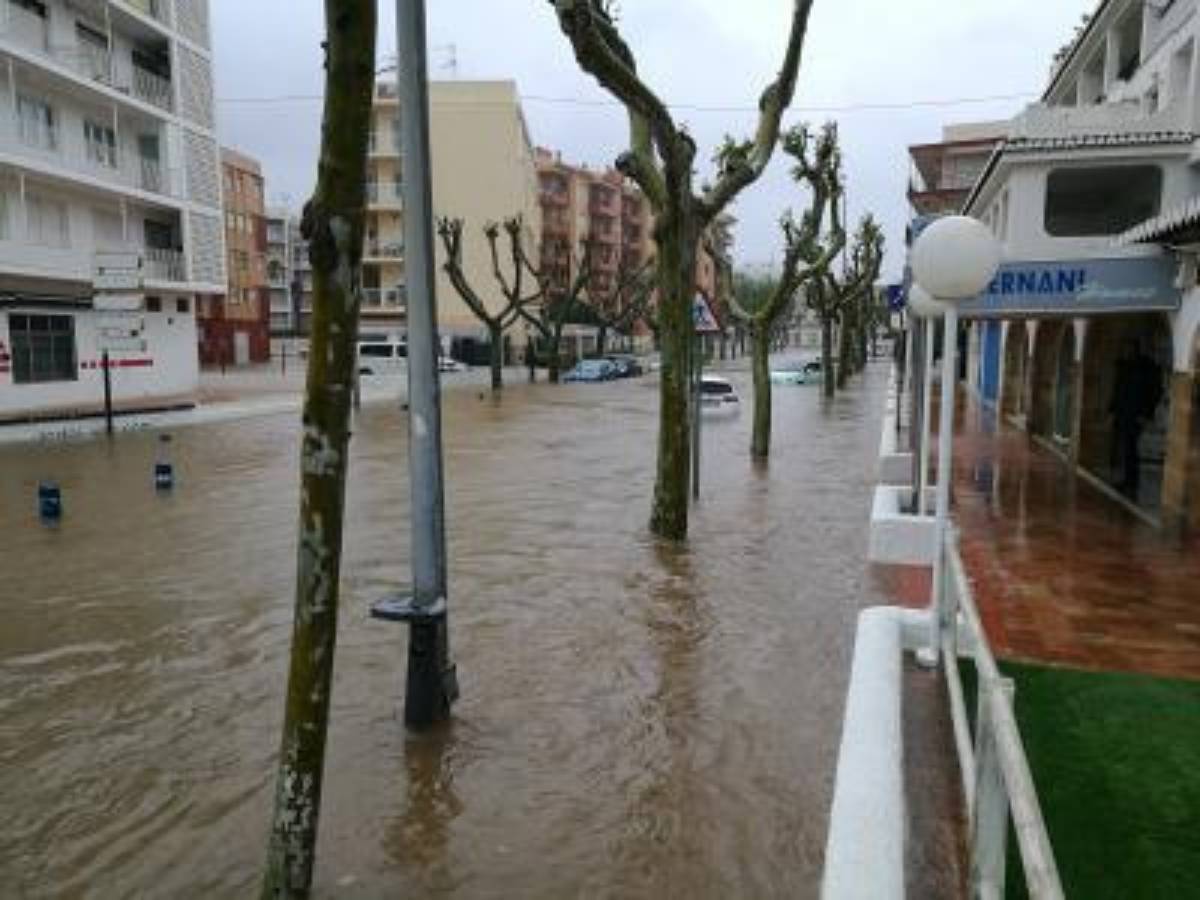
(1116, 760)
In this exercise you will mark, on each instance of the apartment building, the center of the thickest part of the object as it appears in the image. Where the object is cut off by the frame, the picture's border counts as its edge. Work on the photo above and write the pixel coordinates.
(110, 202)
(601, 207)
(943, 173)
(483, 171)
(282, 318)
(1095, 197)
(235, 329)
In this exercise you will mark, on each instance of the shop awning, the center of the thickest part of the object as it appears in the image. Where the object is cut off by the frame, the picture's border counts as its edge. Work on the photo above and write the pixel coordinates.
(1180, 225)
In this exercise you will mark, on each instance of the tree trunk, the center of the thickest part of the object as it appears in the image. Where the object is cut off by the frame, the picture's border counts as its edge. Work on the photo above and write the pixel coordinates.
(827, 374)
(496, 356)
(760, 344)
(554, 357)
(601, 340)
(334, 222)
(724, 345)
(676, 270)
(845, 350)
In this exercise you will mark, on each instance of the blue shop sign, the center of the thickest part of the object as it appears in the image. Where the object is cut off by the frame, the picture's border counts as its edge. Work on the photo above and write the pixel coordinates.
(1138, 284)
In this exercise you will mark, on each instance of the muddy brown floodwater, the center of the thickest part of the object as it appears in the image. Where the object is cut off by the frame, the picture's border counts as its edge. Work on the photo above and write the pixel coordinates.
(636, 720)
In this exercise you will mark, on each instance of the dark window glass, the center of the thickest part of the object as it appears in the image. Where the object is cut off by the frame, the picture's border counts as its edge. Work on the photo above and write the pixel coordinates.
(377, 351)
(153, 304)
(43, 348)
(181, 305)
(1102, 200)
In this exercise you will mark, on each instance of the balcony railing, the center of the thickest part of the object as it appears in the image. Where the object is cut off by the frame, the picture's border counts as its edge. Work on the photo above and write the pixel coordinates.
(36, 141)
(383, 143)
(151, 87)
(164, 265)
(385, 193)
(155, 9)
(383, 297)
(383, 250)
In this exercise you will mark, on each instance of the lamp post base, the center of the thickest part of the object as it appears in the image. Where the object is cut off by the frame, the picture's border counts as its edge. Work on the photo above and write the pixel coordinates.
(927, 658)
(432, 684)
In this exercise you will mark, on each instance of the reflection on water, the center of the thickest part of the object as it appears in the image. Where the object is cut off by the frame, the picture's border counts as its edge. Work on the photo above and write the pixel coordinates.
(636, 719)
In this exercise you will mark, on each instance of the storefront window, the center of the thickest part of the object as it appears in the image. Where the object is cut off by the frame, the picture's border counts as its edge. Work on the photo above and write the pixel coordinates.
(43, 348)
(1101, 200)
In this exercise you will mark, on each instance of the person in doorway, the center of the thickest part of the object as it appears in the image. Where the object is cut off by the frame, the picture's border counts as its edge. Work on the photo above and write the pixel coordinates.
(1136, 395)
(531, 359)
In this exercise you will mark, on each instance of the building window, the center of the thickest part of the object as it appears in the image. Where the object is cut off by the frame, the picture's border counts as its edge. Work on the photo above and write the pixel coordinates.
(100, 143)
(153, 304)
(46, 222)
(35, 123)
(182, 306)
(1090, 202)
(43, 348)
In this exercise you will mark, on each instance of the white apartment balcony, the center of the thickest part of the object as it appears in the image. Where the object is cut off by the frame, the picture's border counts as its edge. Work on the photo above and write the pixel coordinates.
(160, 265)
(27, 35)
(68, 262)
(385, 194)
(1041, 122)
(159, 10)
(45, 149)
(383, 143)
(383, 251)
(379, 298)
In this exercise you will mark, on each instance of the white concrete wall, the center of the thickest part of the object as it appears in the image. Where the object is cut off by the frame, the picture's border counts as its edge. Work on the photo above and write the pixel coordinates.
(172, 375)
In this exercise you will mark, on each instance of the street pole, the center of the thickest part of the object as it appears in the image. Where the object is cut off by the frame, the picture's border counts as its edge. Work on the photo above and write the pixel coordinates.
(432, 684)
(108, 412)
(945, 465)
(697, 377)
(930, 326)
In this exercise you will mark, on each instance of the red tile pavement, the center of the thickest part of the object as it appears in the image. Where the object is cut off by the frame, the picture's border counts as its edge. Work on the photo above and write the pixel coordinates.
(1062, 574)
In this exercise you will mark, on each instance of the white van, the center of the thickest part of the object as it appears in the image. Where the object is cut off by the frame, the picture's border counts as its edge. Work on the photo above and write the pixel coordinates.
(383, 357)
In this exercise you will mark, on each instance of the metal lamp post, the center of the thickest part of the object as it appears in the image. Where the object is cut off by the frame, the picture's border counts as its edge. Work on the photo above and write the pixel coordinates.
(927, 311)
(953, 260)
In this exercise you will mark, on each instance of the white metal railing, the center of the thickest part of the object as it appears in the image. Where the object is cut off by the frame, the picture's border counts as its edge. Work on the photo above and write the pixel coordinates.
(995, 771)
(383, 250)
(155, 9)
(377, 297)
(151, 87)
(385, 193)
(35, 140)
(164, 265)
(384, 143)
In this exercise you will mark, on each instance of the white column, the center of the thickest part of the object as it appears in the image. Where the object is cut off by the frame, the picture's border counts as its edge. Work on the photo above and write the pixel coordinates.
(930, 326)
(945, 471)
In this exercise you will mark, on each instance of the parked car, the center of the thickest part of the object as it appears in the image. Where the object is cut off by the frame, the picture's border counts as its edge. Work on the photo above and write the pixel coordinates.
(626, 366)
(446, 364)
(591, 370)
(807, 372)
(717, 393)
(382, 357)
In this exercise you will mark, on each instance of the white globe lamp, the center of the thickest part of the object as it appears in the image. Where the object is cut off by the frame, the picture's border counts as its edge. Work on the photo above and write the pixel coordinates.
(924, 306)
(955, 258)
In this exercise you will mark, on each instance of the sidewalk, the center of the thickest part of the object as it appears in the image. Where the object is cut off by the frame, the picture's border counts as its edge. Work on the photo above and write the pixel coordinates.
(1062, 573)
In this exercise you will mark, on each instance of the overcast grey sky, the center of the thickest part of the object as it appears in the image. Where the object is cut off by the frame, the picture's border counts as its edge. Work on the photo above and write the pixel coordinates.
(698, 53)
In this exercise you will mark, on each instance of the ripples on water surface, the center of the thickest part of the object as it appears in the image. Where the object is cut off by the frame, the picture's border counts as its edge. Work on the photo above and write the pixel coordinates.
(636, 720)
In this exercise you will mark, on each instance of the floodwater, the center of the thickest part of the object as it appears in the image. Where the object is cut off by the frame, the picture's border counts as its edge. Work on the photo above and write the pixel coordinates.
(636, 720)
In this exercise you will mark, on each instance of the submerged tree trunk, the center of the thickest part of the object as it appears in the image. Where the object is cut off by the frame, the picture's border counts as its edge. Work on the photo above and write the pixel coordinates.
(845, 349)
(602, 340)
(760, 344)
(676, 271)
(827, 374)
(496, 356)
(333, 224)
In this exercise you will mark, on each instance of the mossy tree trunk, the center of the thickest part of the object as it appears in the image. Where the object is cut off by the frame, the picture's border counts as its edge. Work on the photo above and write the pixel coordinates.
(334, 223)
(496, 354)
(760, 343)
(827, 374)
(660, 160)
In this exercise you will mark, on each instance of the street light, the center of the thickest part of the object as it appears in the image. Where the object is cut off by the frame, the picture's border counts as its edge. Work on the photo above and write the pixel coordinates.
(954, 259)
(927, 311)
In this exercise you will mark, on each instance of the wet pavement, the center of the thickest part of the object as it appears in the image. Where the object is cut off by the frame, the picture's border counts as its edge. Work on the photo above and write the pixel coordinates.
(637, 720)
(1062, 573)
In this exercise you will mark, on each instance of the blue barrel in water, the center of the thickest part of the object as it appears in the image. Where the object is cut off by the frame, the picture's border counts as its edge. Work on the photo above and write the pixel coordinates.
(49, 501)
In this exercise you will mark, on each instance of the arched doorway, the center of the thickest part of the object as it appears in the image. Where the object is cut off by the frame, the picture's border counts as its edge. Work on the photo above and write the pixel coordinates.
(1111, 378)
(1016, 364)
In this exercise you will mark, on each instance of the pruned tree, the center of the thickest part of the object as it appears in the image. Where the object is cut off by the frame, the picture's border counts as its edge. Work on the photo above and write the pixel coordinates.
(809, 253)
(551, 316)
(661, 160)
(451, 232)
(851, 289)
(334, 223)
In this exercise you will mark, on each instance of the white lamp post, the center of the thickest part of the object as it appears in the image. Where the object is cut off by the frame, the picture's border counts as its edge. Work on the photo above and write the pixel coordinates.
(927, 311)
(953, 260)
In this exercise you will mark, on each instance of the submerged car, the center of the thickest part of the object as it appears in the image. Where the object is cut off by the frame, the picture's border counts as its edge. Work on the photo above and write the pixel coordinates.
(626, 366)
(591, 370)
(717, 393)
(807, 372)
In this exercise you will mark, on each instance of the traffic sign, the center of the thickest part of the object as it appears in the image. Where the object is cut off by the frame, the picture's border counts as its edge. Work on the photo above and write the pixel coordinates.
(703, 319)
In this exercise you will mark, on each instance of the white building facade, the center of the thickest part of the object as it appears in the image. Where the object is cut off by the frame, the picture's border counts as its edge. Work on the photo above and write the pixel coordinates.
(108, 156)
(1090, 195)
